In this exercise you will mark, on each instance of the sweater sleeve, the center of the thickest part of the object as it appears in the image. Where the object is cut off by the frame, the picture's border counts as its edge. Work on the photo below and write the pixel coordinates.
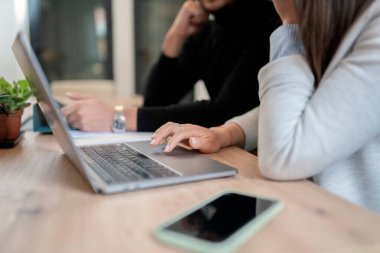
(284, 41)
(304, 131)
(249, 122)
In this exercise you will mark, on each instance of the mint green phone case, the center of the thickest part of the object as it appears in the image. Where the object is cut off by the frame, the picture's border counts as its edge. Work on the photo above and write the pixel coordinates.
(228, 245)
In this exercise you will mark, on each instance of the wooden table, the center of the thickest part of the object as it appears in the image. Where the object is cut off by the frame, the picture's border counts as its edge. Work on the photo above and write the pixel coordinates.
(46, 206)
(102, 89)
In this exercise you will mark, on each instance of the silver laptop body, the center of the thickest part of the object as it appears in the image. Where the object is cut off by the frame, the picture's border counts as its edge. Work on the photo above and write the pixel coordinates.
(187, 165)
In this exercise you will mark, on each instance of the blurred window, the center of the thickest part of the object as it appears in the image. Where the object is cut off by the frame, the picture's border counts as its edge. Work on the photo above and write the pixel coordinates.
(72, 38)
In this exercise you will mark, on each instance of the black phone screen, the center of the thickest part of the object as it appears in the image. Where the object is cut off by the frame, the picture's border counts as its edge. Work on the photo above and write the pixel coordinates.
(220, 218)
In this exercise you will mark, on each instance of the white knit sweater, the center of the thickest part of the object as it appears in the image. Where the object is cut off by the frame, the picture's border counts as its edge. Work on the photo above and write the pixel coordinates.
(332, 133)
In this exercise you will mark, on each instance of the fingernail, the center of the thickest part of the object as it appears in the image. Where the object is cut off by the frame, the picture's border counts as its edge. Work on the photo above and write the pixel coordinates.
(167, 148)
(153, 135)
(153, 141)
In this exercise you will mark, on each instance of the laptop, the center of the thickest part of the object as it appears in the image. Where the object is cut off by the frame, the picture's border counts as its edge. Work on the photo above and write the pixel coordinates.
(119, 167)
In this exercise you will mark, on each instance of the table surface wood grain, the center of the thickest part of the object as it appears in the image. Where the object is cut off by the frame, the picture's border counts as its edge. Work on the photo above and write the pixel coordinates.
(47, 206)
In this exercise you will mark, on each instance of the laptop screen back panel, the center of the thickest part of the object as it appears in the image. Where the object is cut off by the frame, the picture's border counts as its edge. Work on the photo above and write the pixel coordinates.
(40, 87)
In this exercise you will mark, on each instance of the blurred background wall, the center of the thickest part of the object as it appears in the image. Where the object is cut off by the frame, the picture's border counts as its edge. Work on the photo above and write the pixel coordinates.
(114, 41)
(11, 22)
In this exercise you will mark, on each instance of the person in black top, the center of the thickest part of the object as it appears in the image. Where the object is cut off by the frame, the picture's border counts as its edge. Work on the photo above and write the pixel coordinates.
(225, 50)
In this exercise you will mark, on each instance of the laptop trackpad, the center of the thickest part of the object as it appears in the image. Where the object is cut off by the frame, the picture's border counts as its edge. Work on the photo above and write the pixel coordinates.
(185, 161)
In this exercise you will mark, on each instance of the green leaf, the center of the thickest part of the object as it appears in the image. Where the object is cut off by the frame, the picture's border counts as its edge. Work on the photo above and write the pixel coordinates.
(13, 96)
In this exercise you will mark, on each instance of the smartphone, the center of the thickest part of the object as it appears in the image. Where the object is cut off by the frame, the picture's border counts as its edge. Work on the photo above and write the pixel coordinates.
(221, 223)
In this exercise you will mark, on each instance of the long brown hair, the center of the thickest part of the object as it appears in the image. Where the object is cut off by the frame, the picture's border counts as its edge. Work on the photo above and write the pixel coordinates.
(323, 24)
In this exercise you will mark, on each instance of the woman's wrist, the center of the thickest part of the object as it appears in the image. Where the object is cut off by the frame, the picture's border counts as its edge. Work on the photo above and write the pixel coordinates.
(224, 136)
(287, 11)
(230, 134)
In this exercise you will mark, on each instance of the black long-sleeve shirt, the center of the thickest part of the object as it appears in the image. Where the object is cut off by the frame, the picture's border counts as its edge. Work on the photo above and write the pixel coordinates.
(226, 54)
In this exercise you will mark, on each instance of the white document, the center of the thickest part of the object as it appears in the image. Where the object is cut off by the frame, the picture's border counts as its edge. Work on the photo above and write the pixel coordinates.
(92, 138)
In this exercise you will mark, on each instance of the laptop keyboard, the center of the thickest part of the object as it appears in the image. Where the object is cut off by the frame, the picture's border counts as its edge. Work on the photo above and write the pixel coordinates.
(120, 163)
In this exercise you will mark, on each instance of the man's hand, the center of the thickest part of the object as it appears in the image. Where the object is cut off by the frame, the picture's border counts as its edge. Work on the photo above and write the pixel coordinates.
(87, 113)
(189, 20)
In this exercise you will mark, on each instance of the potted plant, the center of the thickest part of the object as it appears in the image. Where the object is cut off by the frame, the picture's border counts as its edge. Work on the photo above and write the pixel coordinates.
(13, 100)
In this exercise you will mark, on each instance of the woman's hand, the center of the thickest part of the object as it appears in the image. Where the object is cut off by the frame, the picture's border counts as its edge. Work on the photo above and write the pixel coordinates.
(197, 137)
(189, 20)
(287, 11)
(206, 140)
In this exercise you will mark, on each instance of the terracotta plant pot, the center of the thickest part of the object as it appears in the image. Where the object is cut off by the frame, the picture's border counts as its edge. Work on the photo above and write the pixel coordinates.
(13, 126)
(3, 126)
